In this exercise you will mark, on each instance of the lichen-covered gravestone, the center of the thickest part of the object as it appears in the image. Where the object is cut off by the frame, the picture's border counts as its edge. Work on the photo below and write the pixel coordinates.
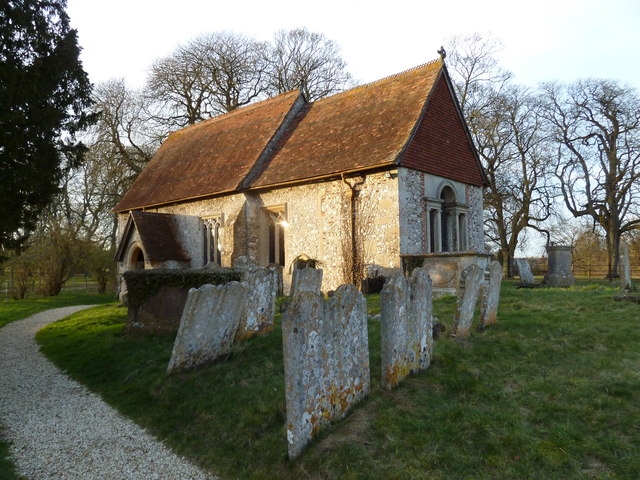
(625, 268)
(467, 299)
(406, 325)
(490, 294)
(326, 361)
(306, 279)
(208, 326)
(524, 270)
(260, 301)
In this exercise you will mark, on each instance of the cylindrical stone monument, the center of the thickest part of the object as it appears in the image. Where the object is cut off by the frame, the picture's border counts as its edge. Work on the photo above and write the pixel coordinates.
(560, 260)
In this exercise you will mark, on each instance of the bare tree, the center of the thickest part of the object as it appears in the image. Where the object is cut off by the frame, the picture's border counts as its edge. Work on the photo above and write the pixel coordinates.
(513, 147)
(235, 66)
(307, 60)
(505, 124)
(475, 70)
(125, 125)
(180, 85)
(212, 74)
(596, 127)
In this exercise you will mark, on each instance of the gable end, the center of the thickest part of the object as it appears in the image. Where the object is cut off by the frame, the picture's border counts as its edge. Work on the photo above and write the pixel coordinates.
(441, 144)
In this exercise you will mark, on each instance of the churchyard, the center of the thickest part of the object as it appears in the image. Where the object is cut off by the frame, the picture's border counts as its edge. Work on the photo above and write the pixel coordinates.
(548, 391)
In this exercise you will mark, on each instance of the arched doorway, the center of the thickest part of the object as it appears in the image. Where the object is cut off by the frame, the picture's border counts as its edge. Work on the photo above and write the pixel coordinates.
(137, 259)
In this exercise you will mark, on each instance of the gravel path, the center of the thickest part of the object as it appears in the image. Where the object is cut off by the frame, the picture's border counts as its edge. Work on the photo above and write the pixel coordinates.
(59, 430)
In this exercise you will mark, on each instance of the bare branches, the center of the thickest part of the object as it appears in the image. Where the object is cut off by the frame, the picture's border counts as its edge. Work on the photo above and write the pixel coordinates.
(307, 60)
(596, 124)
(505, 123)
(221, 71)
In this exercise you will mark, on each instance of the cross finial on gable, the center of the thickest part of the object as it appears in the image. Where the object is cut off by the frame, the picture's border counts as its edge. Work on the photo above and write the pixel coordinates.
(442, 53)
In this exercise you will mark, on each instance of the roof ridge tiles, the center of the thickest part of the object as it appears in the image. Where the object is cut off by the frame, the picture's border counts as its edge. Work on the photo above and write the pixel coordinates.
(381, 80)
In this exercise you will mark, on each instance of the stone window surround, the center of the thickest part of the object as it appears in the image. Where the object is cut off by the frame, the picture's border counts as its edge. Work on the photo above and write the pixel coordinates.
(275, 215)
(457, 218)
(211, 226)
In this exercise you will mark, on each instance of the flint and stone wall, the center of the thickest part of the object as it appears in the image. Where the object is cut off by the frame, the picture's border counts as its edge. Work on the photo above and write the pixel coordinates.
(326, 361)
(394, 212)
(314, 213)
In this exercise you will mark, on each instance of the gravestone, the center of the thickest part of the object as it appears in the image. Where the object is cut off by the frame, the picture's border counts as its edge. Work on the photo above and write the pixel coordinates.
(559, 273)
(208, 326)
(260, 301)
(326, 361)
(277, 272)
(490, 294)
(467, 299)
(524, 270)
(306, 279)
(625, 268)
(406, 325)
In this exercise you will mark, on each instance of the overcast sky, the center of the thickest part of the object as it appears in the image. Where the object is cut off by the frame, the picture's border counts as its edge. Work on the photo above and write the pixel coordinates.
(544, 40)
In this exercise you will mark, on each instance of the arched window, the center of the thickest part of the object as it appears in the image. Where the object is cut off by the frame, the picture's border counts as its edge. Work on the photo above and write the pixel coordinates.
(448, 198)
(446, 222)
(212, 242)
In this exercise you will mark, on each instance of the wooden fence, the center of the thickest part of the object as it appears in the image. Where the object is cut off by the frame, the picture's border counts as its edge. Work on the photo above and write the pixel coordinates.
(77, 283)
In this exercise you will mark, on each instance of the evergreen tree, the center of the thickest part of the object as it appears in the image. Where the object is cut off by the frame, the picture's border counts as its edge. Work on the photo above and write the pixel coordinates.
(44, 96)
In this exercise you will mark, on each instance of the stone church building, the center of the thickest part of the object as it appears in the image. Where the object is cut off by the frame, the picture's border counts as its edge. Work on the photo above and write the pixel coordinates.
(390, 162)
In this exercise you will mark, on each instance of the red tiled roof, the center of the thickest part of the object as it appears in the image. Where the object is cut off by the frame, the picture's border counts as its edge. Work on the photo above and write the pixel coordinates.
(409, 119)
(441, 145)
(210, 157)
(365, 127)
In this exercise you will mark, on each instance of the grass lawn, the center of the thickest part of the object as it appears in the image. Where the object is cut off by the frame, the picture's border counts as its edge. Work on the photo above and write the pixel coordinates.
(550, 392)
(7, 469)
(11, 310)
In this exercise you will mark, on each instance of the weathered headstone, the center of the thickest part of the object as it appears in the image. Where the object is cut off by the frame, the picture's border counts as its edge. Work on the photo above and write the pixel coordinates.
(406, 325)
(326, 361)
(277, 272)
(306, 279)
(242, 263)
(208, 326)
(524, 270)
(467, 299)
(490, 294)
(560, 260)
(260, 301)
(625, 268)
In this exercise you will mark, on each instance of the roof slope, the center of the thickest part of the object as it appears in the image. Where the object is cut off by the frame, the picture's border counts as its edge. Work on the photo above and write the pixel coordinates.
(158, 235)
(365, 127)
(406, 119)
(210, 157)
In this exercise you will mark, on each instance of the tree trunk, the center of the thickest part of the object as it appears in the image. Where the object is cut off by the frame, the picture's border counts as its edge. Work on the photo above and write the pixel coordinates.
(613, 249)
